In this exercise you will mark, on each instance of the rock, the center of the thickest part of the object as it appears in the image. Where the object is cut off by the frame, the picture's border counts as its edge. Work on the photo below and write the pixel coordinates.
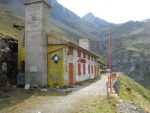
(27, 86)
(8, 62)
(44, 90)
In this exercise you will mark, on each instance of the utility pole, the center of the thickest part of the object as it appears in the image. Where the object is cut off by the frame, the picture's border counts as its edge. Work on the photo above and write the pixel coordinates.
(110, 58)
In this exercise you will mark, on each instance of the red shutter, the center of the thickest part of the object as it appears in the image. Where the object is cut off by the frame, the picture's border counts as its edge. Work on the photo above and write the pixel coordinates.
(83, 55)
(92, 69)
(79, 53)
(70, 50)
(88, 57)
(79, 69)
(89, 68)
(84, 69)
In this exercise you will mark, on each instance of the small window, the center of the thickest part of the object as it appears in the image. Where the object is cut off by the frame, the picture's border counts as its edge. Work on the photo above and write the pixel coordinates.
(92, 58)
(83, 55)
(70, 50)
(89, 68)
(79, 69)
(79, 53)
(95, 71)
(84, 69)
(88, 57)
(92, 69)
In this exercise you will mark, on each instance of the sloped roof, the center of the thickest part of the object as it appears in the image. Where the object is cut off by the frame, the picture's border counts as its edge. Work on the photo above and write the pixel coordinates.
(53, 40)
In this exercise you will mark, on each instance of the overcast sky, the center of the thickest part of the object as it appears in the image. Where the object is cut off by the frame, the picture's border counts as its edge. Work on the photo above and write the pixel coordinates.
(116, 11)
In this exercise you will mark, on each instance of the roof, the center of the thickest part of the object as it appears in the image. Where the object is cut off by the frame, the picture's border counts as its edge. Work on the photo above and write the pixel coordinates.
(27, 2)
(85, 50)
(58, 41)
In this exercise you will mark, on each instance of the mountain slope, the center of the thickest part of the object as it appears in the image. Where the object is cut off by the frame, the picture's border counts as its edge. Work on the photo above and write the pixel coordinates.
(131, 50)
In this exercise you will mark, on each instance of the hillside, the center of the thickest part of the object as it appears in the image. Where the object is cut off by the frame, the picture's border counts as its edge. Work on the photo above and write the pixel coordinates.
(7, 20)
(131, 91)
(131, 50)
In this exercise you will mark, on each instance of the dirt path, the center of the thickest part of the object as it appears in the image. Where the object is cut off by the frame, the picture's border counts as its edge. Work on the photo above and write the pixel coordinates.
(70, 103)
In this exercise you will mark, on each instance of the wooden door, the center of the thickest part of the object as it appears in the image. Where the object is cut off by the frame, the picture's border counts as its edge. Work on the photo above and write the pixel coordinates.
(71, 78)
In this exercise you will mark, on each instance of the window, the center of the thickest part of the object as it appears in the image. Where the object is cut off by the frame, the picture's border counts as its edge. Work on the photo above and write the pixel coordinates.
(84, 69)
(79, 69)
(70, 50)
(95, 71)
(83, 55)
(79, 53)
(88, 57)
(92, 69)
(89, 68)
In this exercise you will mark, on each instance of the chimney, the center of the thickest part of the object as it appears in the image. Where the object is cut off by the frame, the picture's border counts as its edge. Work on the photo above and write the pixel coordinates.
(84, 43)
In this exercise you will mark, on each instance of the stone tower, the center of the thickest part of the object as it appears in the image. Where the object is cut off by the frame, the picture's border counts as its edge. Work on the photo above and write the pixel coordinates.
(37, 19)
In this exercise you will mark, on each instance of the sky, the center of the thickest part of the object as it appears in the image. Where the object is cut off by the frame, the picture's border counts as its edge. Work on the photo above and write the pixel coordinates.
(115, 11)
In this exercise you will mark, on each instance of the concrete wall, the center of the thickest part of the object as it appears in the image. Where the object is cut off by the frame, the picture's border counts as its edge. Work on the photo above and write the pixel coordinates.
(36, 21)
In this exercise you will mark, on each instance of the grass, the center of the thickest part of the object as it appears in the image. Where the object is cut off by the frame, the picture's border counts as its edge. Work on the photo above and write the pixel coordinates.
(102, 105)
(6, 24)
(132, 91)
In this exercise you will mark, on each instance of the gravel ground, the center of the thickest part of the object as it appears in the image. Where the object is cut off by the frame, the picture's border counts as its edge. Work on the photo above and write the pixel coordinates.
(126, 107)
(69, 103)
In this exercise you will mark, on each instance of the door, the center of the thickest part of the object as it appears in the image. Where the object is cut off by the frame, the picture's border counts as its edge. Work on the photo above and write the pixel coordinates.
(71, 78)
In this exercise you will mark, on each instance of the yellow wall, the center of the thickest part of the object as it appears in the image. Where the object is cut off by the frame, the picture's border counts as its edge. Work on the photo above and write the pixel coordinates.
(21, 51)
(55, 71)
(21, 57)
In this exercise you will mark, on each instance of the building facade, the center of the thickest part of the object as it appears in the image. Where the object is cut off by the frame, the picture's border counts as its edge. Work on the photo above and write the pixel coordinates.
(51, 61)
(69, 63)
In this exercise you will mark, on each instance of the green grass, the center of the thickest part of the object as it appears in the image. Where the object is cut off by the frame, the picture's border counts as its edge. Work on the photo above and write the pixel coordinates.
(132, 91)
(102, 105)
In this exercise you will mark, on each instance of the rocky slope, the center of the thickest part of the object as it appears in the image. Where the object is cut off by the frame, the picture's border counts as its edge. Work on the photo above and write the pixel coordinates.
(8, 61)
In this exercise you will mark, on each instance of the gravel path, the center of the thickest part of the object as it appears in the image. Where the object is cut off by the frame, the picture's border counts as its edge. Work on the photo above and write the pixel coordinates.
(70, 103)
